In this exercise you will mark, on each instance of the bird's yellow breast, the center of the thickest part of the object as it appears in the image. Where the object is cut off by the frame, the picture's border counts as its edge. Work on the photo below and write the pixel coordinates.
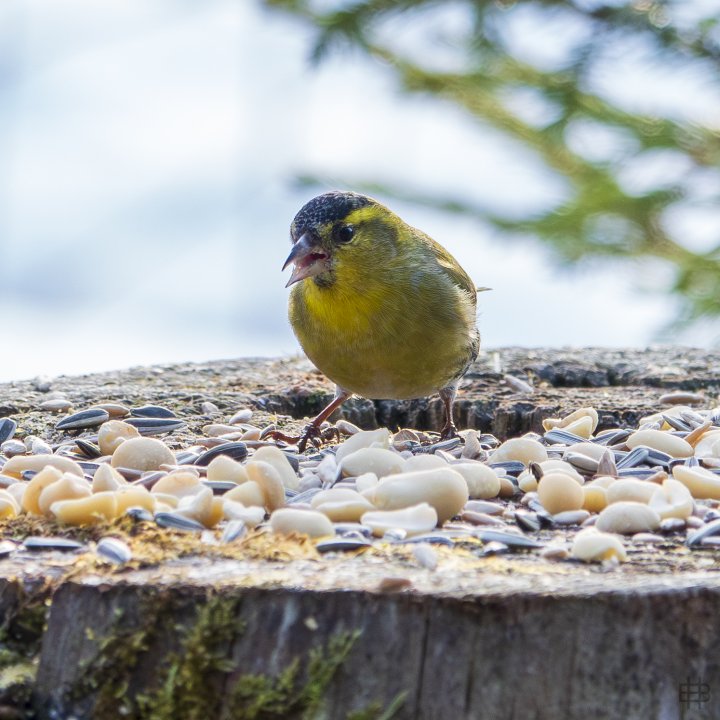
(402, 330)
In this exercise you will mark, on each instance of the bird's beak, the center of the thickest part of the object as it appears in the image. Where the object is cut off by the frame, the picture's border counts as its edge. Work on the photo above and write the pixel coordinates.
(308, 257)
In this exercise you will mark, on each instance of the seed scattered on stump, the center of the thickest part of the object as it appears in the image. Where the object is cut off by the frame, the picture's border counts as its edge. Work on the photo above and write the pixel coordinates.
(644, 489)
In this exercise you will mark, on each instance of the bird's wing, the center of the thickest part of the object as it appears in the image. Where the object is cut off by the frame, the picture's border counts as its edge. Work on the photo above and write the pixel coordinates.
(452, 267)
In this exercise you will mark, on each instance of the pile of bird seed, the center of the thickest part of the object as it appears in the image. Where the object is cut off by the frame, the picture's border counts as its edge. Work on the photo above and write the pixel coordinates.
(569, 494)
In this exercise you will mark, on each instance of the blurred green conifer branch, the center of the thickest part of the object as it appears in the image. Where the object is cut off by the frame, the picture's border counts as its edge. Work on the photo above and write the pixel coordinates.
(598, 217)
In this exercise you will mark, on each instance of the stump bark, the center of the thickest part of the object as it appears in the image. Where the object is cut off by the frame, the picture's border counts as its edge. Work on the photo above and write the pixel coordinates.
(593, 648)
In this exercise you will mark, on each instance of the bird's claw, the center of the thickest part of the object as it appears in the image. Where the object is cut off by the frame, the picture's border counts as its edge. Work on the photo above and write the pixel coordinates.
(449, 432)
(330, 434)
(311, 433)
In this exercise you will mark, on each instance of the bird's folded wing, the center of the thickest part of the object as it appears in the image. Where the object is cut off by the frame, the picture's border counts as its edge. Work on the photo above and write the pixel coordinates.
(448, 262)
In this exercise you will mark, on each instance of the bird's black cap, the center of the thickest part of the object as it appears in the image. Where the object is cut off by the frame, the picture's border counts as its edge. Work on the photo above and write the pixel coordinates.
(328, 208)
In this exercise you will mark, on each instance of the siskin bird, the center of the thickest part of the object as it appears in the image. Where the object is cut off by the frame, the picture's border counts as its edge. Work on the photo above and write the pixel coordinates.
(379, 307)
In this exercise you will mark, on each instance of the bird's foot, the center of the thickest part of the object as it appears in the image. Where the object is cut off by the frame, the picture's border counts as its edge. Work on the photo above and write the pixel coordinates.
(330, 434)
(449, 431)
(311, 433)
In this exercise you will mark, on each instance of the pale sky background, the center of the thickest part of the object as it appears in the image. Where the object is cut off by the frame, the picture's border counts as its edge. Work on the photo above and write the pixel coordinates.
(147, 152)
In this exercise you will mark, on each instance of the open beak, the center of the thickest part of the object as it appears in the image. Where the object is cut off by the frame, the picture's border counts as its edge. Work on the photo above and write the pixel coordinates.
(308, 257)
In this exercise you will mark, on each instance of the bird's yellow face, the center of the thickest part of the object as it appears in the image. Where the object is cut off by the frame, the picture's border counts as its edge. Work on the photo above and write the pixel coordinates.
(340, 235)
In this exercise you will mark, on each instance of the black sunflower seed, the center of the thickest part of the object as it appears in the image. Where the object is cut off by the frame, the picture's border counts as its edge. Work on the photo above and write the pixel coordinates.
(83, 419)
(235, 450)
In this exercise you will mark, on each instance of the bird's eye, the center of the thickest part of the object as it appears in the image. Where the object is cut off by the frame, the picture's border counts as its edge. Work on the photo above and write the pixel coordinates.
(344, 233)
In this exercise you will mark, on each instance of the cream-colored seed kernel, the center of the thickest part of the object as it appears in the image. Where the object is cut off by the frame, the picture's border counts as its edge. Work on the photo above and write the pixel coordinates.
(507, 489)
(604, 481)
(142, 453)
(380, 461)
(557, 465)
(593, 546)
(443, 488)
(15, 466)
(366, 481)
(166, 499)
(278, 459)
(98, 507)
(334, 495)
(595, 498)
(307, 522)
(17, 490)
(114, 432)
(107, 478)
(135, 496)
(583, 427)
(573, 417)
(46, 477)
(527, 481)
(672, 500)
(225, 469)
(248, 494)
(661, 440)
(68, 487)
(524, 450)
(9, 506)
(582, 413)
(218, 429)
(251, 433)
(628, 518)
(378, 481)
(708, 445)
(701, 483)
(414, 520)
(424, 462)
(591, 450)
(341, 504)
(242, 415)
(482, 481)
(252, 516)
(559, 492)
(202, 507)
(363, 439)
(269, 481)
(179, 483)
(629, 489)
(196, 506)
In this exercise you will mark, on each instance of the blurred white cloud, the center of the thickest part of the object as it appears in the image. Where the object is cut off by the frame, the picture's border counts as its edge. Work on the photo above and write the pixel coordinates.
(145, 188)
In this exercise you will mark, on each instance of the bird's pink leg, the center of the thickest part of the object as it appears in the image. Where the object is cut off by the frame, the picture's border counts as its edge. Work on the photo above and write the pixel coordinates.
(312, 432)
(447, 395)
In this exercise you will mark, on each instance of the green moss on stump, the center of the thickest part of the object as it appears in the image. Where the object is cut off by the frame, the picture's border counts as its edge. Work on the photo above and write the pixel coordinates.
(259, 697)
(21, 634)
(189, 685)
(200, 679)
